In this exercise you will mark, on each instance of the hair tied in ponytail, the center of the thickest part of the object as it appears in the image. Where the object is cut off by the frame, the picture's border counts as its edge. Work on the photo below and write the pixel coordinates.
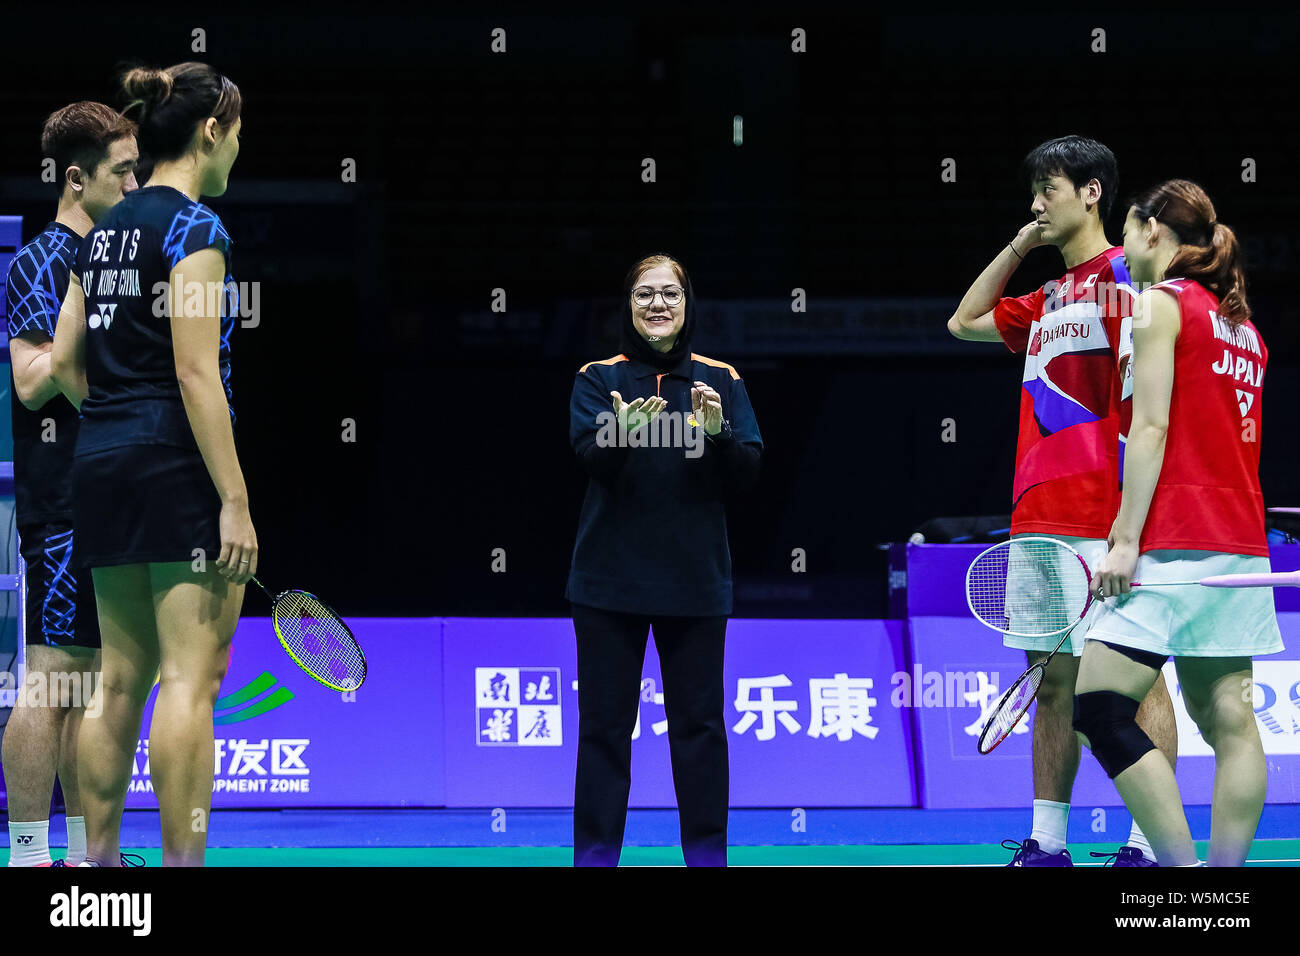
(172, 103)
(147, 89)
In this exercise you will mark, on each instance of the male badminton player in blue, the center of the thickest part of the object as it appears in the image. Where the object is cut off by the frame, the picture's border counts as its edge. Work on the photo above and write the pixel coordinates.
(159, 499)
(94, 153)
(1076, 342)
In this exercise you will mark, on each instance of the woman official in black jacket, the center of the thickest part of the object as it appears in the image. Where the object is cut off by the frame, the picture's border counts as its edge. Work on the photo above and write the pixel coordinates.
(664, 434)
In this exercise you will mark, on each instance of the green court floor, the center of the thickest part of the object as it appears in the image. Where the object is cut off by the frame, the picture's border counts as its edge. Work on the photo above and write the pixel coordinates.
(1265, 853)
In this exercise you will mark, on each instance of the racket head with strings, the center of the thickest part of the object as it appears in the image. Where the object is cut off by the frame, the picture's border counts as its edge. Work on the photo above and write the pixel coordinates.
(1032, 586)
(1012, 708)
(1015, 702)
(318, 640)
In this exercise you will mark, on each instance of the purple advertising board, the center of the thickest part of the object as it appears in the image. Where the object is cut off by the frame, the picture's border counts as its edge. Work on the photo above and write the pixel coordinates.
(481, 712)
(283, 740)
(808, 715)
(969, 661)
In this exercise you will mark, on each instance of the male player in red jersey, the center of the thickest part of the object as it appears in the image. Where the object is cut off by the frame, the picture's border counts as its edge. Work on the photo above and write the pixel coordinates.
(1073, 332)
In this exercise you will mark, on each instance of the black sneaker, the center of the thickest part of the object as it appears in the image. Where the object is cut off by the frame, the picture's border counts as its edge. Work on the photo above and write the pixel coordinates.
(1126, 856)
(1029, 854)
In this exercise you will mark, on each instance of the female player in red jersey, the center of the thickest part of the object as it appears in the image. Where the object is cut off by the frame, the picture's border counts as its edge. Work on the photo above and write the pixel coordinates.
(1192, 507)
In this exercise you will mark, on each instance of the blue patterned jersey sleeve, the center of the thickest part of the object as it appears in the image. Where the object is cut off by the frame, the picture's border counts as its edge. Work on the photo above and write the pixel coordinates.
(193, 229)
(38, 278)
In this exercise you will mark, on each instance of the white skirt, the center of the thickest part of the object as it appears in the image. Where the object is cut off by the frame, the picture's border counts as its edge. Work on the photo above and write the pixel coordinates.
(1192, 621)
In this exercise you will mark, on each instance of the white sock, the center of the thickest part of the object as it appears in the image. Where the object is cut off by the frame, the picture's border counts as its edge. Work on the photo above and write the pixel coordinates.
(1138, 839)
(76, 840)
(29, 843)
(1050, 819)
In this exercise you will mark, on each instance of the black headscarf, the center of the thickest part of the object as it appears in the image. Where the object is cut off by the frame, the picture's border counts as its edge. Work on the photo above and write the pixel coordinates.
(635, 347)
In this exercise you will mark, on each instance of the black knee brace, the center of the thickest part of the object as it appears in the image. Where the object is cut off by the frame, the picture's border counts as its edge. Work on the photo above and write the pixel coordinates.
(1109, 721)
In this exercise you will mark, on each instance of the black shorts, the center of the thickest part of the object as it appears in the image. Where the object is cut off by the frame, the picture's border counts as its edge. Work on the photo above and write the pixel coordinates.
(60, 609)
(139, 504)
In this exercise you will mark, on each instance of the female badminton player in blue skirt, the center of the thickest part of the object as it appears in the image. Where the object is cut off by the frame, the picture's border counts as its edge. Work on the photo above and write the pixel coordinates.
(1192, 508)
(159, 500)
(664, 434)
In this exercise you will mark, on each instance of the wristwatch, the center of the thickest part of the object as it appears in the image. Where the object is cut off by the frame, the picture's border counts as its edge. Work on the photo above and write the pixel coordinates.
(724, 434)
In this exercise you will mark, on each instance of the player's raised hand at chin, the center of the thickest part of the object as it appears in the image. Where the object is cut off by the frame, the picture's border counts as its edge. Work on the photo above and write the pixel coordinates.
(1029, 237)
(640, 411)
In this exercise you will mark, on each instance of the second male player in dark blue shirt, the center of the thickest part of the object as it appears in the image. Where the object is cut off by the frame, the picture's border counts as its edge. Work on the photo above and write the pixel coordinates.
(94, 153)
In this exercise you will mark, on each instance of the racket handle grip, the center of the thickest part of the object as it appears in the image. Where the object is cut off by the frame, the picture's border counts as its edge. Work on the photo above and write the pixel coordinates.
(1291, 580)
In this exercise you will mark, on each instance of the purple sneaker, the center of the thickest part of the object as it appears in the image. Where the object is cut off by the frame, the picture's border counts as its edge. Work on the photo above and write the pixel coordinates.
(1029, 854)
(1126, 856)
(127, 859)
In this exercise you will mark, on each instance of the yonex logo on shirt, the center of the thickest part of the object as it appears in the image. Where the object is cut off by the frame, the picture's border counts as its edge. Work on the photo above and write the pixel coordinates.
(106, 317)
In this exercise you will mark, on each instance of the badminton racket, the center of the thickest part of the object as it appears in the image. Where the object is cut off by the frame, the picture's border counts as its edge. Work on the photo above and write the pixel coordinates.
(1040, 587)
(317, 639)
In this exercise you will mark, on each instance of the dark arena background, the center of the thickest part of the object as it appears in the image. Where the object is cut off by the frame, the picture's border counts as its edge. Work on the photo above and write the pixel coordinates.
(434, 230)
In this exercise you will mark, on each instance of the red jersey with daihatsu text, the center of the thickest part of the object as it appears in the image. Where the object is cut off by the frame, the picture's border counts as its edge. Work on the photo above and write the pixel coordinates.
(1077, 338)
(1208, 496)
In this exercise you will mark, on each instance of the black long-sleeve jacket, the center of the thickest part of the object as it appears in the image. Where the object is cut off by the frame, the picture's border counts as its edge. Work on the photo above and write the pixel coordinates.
(652, 536)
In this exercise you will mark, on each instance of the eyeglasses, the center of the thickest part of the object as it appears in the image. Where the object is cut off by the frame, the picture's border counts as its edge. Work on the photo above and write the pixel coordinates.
(644, 296)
